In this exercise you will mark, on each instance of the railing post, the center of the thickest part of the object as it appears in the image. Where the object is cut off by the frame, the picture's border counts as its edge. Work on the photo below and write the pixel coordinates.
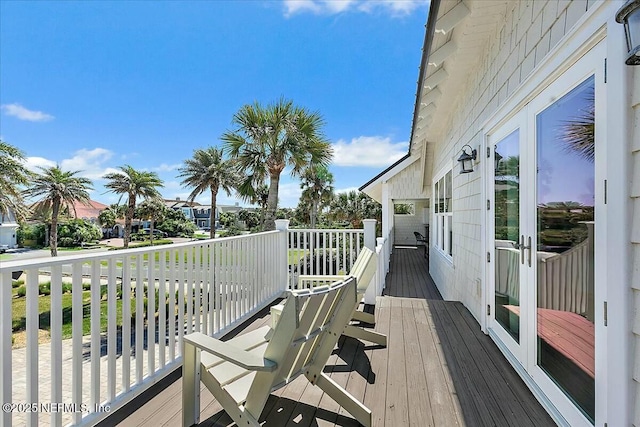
(369, 226)
(383, 262)
(282, 225)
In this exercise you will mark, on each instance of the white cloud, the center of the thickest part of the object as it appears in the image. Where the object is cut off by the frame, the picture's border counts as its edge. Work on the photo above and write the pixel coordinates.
(166, 168)
(33, 163)
(332, 7)
(289, 194)
(90, 163)
(22, 113)
(372, 151)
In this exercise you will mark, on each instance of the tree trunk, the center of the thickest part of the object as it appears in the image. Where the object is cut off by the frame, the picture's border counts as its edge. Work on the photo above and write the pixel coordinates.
(53, 236)
(151, 231)
(272, 203)
(128, 219)
(212, 214)
(314, 213)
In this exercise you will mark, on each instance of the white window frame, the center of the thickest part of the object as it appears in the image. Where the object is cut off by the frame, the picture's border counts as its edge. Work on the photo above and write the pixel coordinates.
(443, 221)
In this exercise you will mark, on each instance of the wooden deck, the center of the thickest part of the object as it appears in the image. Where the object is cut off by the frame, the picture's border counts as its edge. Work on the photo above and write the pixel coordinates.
(438, 370)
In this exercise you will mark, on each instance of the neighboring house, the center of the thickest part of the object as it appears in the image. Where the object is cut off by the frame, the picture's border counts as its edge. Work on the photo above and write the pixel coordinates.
(541, 239)
(193, 211)
(8, 230)
(88, 212)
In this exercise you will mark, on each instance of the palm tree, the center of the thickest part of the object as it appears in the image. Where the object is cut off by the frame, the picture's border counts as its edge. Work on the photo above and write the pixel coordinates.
(134, 184)
(58, 189)
(153, 210)
(209, 170)
(256, 194)
(317, 189)
(354, 207)
(13, 175)
(269, 139)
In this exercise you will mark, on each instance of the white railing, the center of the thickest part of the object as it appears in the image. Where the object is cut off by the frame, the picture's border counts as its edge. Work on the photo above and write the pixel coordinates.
(384, 246)
(332, 252)
(117, 319)
(322, 252)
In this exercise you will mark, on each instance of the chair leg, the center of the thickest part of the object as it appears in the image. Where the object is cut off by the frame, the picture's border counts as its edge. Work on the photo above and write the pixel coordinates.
(361, 316)
(344, 399)
(364, 334)
(190, 386)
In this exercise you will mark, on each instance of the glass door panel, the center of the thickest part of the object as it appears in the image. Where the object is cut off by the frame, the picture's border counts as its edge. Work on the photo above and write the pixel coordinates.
(565, 199)
(507, 229)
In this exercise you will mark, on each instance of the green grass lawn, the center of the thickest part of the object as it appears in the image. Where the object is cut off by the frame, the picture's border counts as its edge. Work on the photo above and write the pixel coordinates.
(44, 310)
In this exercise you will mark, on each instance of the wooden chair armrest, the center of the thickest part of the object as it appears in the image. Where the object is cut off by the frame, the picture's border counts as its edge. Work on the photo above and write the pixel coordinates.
(321, 279)
(229, 353)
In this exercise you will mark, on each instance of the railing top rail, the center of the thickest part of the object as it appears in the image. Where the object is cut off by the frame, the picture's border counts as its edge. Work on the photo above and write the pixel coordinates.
(330, 230)
(68, 259)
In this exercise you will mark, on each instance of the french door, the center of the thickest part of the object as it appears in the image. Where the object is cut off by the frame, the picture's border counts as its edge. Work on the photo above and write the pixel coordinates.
(544, 208)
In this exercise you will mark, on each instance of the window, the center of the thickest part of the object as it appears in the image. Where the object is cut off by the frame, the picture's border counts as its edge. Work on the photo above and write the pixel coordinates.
(404, 208)
(443, 214)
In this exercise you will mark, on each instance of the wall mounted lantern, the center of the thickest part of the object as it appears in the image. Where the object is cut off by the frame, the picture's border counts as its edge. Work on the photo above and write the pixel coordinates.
(466, 159)
(496, 158)
(629, 16)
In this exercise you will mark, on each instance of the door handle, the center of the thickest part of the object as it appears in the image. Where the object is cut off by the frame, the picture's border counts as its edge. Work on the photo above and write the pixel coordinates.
(523, 248)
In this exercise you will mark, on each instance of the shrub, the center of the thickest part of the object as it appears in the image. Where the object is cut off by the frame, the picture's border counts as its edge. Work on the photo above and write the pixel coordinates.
(45, 288)
(16, 283)
(22, 291)
(66, 288)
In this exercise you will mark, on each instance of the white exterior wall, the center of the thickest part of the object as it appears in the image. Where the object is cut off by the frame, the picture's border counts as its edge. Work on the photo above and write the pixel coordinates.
(405, 225)
(531, 29)
(407, 184)
(635, 245)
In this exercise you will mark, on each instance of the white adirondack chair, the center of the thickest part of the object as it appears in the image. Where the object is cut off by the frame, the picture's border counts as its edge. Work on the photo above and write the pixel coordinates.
(242, 372)
(363, 270)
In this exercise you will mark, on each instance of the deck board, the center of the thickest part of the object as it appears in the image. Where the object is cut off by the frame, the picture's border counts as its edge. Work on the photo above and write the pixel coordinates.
(438, 370)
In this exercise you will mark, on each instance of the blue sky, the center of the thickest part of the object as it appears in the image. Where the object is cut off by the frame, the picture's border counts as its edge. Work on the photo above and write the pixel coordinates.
(95, 85)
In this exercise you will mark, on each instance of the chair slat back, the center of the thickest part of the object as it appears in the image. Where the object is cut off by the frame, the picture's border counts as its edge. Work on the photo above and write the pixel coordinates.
(364, 269)
(302, 333)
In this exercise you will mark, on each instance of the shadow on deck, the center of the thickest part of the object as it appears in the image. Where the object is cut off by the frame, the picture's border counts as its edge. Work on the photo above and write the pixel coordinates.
(439, 369)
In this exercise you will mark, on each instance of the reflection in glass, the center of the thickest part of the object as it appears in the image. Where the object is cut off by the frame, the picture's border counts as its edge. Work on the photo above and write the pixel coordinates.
(565, 251)
(507, 230)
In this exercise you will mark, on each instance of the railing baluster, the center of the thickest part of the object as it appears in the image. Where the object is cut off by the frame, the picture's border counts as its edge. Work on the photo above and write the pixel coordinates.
(172, 305)
(126, 322)
(139, 320)
(151, 314)
(197, 286)
(181, 283)
(211, 288)
(111, 329)
(189, 294)
(162, 309)
(77, 312)
(32, 342)
(6, 330)
(55, 325)
(95, 333)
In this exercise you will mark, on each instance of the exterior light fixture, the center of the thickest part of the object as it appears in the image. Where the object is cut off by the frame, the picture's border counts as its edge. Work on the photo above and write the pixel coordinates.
(497, 158)
(629, 16)
(466, 159)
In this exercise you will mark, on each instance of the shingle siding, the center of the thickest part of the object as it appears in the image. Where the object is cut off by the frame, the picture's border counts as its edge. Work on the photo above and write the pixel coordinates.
(530, 31)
